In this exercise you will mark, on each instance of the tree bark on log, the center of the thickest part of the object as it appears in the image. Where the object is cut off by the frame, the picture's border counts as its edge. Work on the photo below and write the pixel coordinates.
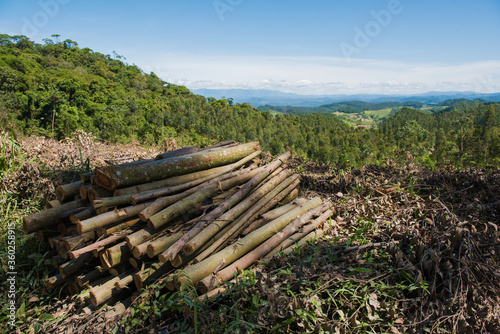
(85, 214)
(248, 214)
(98, 244)
(163, 202)
(200, 270)
(263, 249)
(109, 218)
(115, 255)
(105, 232)
(104, 292)
(52, 204)
(70, 268)
(83, 190)
(250, 204)
(177, 153)
(68, 190)
(273, 214)
(84, 280)
(111, 201)
(54, 281)
(49, 217)
(161, 244)
(113, 177)
(298, 236)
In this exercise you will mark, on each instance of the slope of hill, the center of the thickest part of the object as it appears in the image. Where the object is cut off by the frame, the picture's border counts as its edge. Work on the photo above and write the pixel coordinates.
(260, 97)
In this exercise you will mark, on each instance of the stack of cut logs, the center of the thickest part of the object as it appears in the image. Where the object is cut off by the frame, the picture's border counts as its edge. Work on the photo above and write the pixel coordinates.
(210, 212)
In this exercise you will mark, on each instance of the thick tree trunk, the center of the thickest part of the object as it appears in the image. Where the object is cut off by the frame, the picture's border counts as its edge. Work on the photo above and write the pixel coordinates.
(49, 217)
(200, 270)
(177, 153)
(113, 177)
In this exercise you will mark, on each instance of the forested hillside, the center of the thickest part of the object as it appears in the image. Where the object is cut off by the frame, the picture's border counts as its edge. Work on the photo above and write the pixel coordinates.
(56, 88)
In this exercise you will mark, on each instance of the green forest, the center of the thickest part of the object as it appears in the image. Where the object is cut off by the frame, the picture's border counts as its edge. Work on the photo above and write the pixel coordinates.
(55, 88)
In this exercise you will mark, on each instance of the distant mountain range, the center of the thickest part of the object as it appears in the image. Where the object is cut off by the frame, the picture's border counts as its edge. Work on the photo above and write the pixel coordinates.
(260, 97)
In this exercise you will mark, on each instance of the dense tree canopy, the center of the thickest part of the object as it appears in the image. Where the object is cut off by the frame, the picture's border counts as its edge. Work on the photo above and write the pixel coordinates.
(56, 88)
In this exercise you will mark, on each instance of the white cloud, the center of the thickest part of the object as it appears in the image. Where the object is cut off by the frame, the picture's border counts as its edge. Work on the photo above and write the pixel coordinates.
(323, 75)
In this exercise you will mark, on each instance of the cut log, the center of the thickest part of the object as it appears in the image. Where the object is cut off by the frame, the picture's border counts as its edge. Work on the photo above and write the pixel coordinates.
(194, 200)
(69, 190)
(44, 219)
(110, 217)
(171, 253)
(54, 281)
(104, 232)
(104, 292)
(273, 214)
(115, 255)
(265, 195)
(291, 196)
(177, 153)
(99, 244)
(74, 266)
(200, 270)
(85, 177)
(111, 201)
(44, 235)
(299, 235)
(163, 202)
(113, 177)
(85, 214)
(52, 204)
(96, 192)
(151, 274)
(263, 249)
(84, 280)
(57, 261)
(124, 281)
(161, 244)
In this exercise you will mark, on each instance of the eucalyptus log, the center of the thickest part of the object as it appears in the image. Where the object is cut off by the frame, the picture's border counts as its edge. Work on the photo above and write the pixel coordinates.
(161, 244)
(309, 237)
(200, 270)
(54, 281)
(291, 196)
(112, 177)
(151, 274)
(73, 289)
(86, 279)
(98, 244)
(160, 203)
(262, 250)
(110, 217)
(44, 235)
(75, 242)
(85, 177)
(243, 212)
(70, 268)
(104, 292)
(194, 200)
(82, 215)
(111, 201)
(44, 219)
(115, 255)
(83, 190)
(301, 234)
(52, 204)
(57, 261)
(136, 263)
(224, 143)
(68, 190)
(104, 232)
(96, 192)
(177, 153)
(124, 281)
(172, 251)
(273, 214)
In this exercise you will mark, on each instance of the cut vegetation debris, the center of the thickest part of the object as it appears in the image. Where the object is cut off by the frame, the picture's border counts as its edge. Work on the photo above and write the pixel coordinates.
(190, 216)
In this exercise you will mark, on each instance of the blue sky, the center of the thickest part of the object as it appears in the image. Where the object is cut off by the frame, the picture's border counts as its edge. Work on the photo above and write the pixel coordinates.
(306, 47)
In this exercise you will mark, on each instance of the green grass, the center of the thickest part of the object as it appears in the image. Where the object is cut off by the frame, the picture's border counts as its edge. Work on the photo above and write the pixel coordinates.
(379, 113)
